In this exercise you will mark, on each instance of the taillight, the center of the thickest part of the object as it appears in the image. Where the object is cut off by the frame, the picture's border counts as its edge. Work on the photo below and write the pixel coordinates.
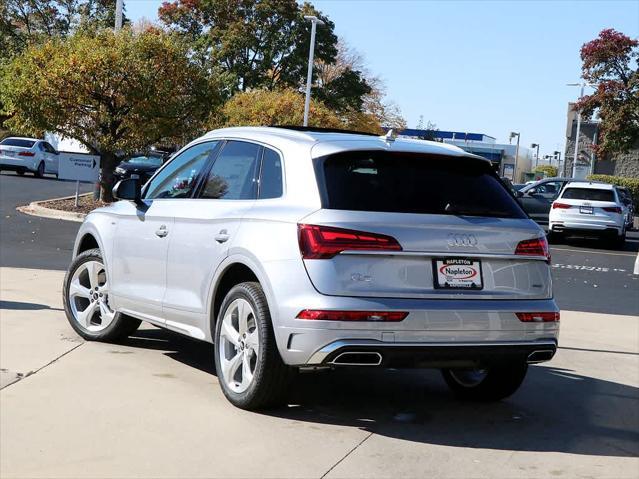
(612, 209)
(330, 315)
(538, 317)
(321, 242)
(561, 206)
(534, 247)
(26, 153)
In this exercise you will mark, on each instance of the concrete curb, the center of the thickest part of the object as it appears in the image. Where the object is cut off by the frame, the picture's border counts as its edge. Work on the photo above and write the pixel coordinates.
(35, 208)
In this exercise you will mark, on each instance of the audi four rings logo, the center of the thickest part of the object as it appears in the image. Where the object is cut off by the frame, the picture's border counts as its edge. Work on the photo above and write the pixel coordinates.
(458, 239)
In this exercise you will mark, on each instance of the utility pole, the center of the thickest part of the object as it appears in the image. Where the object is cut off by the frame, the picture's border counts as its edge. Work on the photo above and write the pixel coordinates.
(309, 77)
(119, 5)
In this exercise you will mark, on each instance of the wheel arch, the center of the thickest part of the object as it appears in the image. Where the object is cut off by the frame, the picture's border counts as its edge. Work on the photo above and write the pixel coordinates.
(234, 270)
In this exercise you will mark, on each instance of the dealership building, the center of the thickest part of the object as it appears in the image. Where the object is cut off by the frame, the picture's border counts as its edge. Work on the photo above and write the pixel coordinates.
(501, 155)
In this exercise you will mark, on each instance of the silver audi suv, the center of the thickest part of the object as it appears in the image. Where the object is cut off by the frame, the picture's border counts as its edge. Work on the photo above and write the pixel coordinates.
(299, 249)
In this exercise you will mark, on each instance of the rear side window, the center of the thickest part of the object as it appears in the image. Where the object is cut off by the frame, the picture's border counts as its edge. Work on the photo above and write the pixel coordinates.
(17, 142)
(590, 194)
(413, 183)
(271, 175)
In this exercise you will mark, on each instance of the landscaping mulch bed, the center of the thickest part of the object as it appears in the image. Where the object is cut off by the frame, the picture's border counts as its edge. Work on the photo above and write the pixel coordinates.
(86, 204)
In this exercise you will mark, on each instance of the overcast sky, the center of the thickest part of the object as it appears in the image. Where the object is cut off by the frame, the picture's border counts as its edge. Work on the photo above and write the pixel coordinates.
(475, 66)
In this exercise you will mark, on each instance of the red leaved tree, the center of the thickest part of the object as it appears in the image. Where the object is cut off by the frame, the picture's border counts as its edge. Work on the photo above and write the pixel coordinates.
(610, 63)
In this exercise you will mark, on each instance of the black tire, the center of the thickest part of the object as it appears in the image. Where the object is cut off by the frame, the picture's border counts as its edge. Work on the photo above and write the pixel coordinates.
(39, 173)
(554, 237)
(121, 326)
(498, 383)
(271, 376)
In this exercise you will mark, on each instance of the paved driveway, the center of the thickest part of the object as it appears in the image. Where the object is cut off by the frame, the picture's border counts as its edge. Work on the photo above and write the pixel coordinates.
(151, 407)
(29, 241)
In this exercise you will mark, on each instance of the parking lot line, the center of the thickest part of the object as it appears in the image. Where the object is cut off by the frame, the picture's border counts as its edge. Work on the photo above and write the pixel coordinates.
(591, 251)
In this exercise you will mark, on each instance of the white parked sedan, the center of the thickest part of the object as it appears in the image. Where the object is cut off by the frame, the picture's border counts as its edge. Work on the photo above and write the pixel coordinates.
(28, 154)
(588, 208)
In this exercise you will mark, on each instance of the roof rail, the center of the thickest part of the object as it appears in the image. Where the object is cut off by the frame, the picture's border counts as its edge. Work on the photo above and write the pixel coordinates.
(322, 130)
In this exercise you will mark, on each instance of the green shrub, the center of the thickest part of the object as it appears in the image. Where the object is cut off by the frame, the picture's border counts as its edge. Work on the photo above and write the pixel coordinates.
(631, 183)
(549, 170)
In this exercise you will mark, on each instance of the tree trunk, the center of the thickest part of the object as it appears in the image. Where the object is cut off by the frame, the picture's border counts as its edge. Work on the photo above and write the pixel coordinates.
(108, 162)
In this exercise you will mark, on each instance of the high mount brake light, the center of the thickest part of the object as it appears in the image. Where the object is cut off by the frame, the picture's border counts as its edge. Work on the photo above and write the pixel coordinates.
(538, 317)
(322, 242)
(330, 315)
(561, 206)
(534, 247)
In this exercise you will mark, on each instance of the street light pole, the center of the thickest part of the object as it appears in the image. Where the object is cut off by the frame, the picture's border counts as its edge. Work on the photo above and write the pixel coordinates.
(536, 145)
(309, 77)
(118, 14)
(583, 85)
(514, 134)
(558, 156)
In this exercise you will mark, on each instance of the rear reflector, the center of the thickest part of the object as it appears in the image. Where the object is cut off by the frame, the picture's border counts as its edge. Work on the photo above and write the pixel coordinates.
(328, 315)
(561, 206)
(538, 317)
(321, 242)
(534, 247)
(612, 209)
(26, 153)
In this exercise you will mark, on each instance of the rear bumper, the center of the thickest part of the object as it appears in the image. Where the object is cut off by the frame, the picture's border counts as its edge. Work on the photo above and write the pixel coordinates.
(586, 228)
(15, 164)
(407, 355)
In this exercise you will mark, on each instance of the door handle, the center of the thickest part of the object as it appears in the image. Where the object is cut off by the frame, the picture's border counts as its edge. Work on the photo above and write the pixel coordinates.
(162, 231)
(222, 236)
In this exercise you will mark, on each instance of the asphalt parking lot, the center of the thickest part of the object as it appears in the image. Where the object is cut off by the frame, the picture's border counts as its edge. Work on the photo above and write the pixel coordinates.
(151, 406)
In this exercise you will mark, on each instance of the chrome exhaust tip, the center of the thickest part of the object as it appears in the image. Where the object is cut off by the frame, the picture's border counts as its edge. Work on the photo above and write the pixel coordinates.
(540, 356)
(358, 358)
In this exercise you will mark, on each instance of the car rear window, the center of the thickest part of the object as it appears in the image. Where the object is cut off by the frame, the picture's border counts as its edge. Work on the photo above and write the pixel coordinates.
(590, 194)
(413, 183)
(17, 142)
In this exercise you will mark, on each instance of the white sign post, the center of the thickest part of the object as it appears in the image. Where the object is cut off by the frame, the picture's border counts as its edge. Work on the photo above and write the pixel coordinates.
(78, 167)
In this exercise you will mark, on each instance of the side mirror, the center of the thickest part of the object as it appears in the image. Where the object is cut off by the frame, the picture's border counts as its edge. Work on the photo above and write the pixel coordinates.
(128, 189)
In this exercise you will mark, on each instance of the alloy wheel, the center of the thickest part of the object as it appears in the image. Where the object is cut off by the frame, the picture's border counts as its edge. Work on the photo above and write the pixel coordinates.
(239, 345)
(89, 297)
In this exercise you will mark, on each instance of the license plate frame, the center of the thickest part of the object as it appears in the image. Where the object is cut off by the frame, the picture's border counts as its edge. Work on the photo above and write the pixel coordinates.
(457, 277)
(586, 210)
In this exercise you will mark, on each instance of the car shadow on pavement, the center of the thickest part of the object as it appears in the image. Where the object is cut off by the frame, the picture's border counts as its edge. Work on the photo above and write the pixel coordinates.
(555, 410)
(22, 306)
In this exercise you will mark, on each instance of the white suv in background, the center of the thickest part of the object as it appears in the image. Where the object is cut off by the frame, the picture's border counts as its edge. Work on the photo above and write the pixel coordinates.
(315, 249)
(586, 208)
(28, 154)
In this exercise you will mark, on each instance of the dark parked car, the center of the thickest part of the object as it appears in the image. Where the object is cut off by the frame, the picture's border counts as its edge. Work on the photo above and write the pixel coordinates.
(626, 198)
(536, 198)
(143, 165)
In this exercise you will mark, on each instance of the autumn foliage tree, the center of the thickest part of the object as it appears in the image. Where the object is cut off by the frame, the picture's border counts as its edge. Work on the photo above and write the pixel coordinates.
(273, 107)
(610, 63)
(113, 92)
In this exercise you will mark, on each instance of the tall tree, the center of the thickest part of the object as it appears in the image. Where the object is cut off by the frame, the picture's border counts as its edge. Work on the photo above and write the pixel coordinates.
(25, 22)
(348, 86)
(262, 43)
(610, 62)
(115, 93)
